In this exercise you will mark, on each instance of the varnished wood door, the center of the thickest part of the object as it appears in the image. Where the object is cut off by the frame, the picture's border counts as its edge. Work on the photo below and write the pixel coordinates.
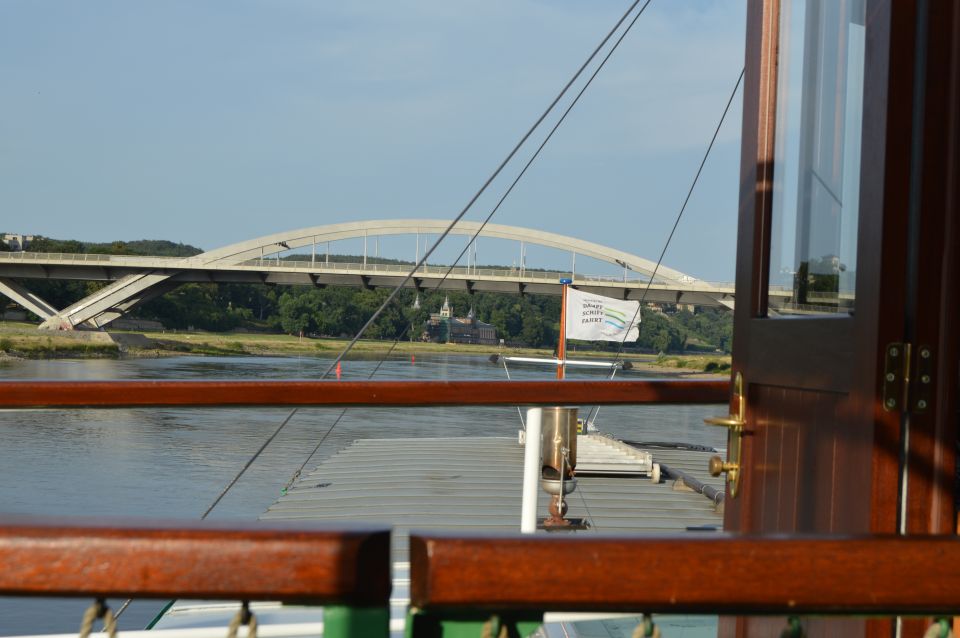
(833, 266)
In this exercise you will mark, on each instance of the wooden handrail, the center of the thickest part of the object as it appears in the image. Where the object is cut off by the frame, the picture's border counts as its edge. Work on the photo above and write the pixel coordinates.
(128, 394)
(883, 575)
(323, 563)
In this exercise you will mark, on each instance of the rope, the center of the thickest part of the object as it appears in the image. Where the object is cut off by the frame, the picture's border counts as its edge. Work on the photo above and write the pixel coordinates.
(646, 628)
(98, 610)
(939, 629)
(492, 625)
(793, 629)
(683, 208)
(483, 188)
(243, 617)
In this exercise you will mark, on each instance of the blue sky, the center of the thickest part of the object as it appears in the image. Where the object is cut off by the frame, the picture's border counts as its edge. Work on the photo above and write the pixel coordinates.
(214, 122)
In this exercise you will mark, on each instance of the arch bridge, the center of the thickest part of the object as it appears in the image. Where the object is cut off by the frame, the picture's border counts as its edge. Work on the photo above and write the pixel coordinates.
(135, 280)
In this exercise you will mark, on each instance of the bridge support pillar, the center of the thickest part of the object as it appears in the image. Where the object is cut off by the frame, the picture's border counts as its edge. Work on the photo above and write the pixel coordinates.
(31, 301)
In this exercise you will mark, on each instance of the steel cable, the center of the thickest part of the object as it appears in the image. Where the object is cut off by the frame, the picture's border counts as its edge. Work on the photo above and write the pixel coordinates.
(482, 189)
(492, 212)
(509, 190)
(440, 239)
(676, 222)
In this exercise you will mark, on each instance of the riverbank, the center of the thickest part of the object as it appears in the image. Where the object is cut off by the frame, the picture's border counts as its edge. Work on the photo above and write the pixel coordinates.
(23, 340)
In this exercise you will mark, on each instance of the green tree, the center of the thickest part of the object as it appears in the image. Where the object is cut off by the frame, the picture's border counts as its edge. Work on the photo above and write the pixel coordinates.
(47, 245)
(193, 305)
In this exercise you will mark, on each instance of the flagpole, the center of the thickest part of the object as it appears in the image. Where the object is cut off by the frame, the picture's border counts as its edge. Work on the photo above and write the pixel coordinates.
(562, 346)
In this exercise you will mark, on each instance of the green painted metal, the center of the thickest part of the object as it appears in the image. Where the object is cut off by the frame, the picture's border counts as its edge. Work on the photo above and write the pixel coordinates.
(471, 624)
(526, 627)
(342, 621)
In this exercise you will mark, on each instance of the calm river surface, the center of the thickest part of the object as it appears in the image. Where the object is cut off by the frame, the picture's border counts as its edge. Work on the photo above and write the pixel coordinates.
(174, 463)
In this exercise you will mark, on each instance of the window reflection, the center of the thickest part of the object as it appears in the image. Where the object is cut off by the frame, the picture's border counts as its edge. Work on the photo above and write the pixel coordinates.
(817, 162)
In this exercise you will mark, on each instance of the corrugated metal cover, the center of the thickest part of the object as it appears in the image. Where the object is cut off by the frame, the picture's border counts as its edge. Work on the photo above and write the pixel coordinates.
(474, 483)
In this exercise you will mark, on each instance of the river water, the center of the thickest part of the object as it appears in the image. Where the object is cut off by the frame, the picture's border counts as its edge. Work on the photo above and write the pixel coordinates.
(174, 462)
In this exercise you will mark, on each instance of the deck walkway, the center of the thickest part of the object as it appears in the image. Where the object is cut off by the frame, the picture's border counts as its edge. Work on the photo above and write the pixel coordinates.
(474, 483)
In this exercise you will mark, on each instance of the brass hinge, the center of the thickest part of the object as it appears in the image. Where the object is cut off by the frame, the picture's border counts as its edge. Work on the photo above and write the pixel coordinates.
(907, 378)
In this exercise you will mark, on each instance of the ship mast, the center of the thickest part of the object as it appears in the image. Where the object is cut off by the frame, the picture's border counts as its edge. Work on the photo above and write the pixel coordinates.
(562, 346)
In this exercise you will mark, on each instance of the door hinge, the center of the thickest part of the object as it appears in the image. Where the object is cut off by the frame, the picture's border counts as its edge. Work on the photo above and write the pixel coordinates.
(907, 378)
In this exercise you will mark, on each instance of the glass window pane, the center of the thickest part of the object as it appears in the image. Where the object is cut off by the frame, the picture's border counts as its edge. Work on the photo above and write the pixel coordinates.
(813, 252)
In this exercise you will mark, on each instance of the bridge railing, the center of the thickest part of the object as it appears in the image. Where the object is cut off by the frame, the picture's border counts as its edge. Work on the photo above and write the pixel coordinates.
(71, 257)
(551, 276)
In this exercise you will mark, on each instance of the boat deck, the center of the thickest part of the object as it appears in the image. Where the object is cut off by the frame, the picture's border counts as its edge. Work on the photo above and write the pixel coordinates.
(474, 483)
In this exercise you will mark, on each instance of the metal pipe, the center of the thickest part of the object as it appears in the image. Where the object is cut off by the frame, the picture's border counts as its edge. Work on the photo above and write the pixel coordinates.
(563, 471)
(531, 472)
(710, 492)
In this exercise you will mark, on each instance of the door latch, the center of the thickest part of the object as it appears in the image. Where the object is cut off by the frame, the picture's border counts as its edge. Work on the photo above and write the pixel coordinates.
(736, 426)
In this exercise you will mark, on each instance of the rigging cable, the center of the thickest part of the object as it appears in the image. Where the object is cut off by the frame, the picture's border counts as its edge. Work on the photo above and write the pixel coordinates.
(488, 218)
(483, 225)
(680, 214)
(223, 493)
(549, 136)
(343, 412)
(249, 463)
(446, 232)
(592, 415)
(482, 189)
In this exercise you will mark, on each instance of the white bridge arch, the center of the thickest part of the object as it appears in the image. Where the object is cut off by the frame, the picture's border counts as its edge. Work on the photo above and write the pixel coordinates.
(289, 240)
(138, 279)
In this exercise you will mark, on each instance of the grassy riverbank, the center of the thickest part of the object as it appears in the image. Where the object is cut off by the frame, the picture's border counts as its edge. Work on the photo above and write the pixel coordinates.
(23, 340)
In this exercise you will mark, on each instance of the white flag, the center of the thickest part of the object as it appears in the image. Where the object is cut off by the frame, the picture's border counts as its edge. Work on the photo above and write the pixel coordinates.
(598, 318)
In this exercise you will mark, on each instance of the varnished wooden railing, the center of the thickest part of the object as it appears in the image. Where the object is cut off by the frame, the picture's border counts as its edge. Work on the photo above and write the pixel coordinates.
(875, 575)
(126, 394)
(321, 563)
(459, 577)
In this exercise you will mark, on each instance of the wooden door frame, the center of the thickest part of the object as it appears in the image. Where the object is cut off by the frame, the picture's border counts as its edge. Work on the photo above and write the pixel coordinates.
(890, 43)
(891, 123)
(931, 459)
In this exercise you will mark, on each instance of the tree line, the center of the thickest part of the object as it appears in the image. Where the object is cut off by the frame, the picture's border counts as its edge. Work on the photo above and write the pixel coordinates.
(531, 320)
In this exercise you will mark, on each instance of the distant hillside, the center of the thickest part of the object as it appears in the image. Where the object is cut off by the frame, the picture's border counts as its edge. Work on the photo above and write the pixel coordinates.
(153, 247)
